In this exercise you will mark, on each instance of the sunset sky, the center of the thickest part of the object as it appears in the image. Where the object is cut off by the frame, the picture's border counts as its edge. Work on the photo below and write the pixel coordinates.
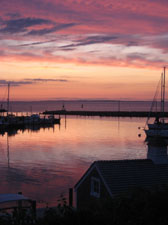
(82, 49)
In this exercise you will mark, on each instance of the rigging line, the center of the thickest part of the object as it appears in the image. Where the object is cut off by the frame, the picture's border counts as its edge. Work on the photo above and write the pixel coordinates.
(153, 102)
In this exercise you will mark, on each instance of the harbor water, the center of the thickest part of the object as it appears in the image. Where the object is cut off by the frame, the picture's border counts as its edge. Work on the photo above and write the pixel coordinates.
(44, 163)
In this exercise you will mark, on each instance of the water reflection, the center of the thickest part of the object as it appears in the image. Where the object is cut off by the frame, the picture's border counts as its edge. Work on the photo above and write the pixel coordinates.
(8, 155)
(12, 131)
(45, 162)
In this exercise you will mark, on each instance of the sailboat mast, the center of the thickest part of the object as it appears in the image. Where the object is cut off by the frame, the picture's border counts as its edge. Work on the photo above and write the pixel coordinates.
(161, 105)
(8, 98)
(163, 93)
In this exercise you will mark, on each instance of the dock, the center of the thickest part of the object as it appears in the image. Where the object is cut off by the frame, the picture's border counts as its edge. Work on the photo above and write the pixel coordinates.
(105, 113)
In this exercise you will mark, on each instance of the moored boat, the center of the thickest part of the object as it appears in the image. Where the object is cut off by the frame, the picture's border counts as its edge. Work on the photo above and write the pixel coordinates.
(159, 128)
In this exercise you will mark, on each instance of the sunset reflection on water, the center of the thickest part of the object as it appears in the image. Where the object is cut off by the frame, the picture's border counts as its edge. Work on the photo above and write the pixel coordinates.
(45, 163)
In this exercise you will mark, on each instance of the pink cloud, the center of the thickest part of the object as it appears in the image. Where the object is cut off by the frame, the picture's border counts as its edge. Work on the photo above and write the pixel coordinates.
(118, 16)
(78, 28)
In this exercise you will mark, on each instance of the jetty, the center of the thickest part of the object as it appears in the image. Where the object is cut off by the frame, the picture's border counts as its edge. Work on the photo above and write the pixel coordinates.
(105, 113)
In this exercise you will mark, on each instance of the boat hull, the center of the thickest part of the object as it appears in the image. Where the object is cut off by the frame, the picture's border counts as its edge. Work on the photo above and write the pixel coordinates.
(156, 133)
(160, 126)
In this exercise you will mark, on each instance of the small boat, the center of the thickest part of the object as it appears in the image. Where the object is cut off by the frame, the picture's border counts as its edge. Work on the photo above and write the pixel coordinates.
(17, 205)
(159, 128)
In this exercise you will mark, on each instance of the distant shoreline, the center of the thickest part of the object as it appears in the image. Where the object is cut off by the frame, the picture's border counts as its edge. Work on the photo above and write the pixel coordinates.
(80, 100)
(105, 113)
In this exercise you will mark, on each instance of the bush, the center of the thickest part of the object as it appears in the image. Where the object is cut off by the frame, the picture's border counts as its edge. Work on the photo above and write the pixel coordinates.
(138, 207)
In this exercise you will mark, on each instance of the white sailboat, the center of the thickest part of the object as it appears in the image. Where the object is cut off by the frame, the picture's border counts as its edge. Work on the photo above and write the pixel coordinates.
(159, 128)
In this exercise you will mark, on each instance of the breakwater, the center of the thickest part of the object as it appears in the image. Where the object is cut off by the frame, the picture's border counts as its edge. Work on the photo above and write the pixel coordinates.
(105, 113)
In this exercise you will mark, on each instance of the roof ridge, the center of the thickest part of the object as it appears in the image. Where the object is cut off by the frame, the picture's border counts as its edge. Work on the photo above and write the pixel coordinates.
(122, 160)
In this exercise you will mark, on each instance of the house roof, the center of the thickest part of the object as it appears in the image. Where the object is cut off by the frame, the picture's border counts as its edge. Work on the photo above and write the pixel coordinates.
(122, 175)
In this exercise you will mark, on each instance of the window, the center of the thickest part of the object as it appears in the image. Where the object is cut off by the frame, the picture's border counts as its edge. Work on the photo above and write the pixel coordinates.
(95, 187)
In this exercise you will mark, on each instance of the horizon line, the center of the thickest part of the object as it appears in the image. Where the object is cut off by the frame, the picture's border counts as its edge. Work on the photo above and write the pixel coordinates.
(84, 100)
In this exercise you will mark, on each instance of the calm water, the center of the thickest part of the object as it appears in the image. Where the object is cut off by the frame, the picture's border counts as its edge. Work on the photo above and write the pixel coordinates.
(44, 163)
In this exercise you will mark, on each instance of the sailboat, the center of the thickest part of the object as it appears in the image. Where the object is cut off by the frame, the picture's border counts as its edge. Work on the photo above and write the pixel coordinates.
(159, 128)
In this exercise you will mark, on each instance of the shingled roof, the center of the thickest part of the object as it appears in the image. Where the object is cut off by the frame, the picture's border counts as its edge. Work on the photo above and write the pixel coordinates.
(122, 175)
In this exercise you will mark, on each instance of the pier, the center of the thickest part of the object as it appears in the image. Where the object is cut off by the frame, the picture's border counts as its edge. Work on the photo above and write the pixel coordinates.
(105, 113)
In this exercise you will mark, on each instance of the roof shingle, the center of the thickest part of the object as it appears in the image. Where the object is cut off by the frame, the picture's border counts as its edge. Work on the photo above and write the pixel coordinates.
(122, 175)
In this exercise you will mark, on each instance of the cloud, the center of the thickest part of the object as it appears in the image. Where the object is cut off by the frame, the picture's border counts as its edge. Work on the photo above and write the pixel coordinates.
(2, 53)
(36, 43)
(13, 15)
(51, 30)
(13, 83)
(21, 25)
(29, 81)
(96, 39)
(101, 31)
(46, 80)
(96, 16)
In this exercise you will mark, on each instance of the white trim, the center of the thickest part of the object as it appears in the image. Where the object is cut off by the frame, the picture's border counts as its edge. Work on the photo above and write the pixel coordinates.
(93, 166)
(84, 176)
(107, 187)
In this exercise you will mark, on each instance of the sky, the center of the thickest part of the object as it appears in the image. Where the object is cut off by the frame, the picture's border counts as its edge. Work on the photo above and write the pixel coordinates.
(82, 49)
